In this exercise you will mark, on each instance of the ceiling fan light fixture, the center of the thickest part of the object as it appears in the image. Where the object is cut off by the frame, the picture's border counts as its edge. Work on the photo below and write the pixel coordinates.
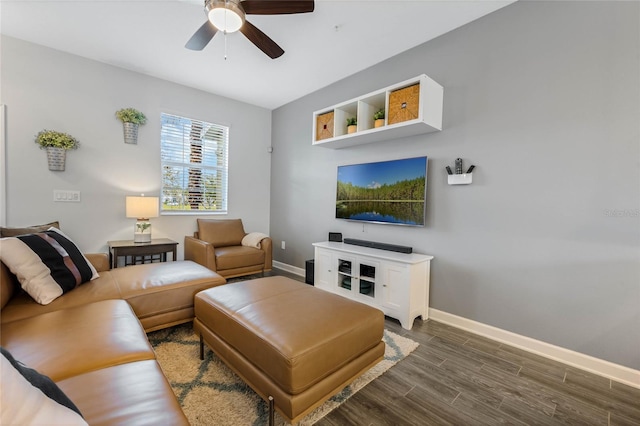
(225, 15)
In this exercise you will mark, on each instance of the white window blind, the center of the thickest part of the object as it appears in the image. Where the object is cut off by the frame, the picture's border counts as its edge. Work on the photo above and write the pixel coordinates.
(194, 157)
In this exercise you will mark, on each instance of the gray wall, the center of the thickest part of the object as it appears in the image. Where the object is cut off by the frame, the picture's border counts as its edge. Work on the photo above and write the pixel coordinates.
(45, 88)
(544, 98)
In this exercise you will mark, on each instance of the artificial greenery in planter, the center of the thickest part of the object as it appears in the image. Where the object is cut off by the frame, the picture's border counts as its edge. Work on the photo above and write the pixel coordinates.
(56, 144)
(378, 118)
(131, 118)
(352, 125)
(142, 226)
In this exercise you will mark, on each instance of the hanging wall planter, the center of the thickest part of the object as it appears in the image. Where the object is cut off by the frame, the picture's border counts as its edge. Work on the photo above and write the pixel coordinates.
(56, 158)
(56, 144)
(130, 132)
(131, 118)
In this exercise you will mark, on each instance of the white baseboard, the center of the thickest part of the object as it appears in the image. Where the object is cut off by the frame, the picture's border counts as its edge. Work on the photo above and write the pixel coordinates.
(289, 268)
(616, 372)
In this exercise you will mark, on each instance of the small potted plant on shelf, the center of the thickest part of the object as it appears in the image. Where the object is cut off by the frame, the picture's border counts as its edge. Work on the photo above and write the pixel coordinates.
(352, 125)
(131, 118)
(56, 144)
(378, 118)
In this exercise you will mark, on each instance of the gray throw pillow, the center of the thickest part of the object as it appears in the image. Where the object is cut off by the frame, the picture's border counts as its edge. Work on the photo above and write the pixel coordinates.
(14, 232)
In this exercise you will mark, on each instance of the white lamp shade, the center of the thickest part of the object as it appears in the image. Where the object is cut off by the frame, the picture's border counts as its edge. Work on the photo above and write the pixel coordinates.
(142, 207)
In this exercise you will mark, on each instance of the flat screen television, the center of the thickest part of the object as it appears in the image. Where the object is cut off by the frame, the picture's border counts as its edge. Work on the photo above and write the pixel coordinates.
(392, 192)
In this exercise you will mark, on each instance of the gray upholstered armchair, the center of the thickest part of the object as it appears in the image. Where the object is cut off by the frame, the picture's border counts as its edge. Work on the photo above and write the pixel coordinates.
(224, 247)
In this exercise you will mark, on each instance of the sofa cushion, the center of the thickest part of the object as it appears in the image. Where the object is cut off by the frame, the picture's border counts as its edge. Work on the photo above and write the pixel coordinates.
(136, 393)
(14, 232)
(238, 257)
(23, 306)
(72, 341)
(24, 404)
(157, 291)
(47, 264)
(221, 232)
(40, 381)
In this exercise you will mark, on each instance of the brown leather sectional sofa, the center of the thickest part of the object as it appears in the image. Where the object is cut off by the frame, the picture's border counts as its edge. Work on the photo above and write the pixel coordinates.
(91, 341)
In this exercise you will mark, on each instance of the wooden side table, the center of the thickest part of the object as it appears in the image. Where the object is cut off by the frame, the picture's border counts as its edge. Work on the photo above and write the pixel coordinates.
(137, 253)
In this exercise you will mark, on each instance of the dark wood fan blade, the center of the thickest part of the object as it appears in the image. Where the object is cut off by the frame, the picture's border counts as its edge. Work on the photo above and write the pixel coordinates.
(202, 37)
(261, 40)
(277, 7)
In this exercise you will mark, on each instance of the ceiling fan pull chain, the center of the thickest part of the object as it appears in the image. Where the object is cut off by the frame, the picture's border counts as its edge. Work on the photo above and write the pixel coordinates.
(225, 31)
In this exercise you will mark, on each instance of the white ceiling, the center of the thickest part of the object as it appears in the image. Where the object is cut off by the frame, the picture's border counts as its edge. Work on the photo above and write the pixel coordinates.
(338, 39)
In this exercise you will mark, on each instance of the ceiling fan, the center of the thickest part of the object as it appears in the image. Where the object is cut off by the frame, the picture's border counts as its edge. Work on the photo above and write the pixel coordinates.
(229, 16)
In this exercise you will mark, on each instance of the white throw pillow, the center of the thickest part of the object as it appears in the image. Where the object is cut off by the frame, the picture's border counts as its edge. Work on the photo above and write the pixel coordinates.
(24, 404)
(253, 239)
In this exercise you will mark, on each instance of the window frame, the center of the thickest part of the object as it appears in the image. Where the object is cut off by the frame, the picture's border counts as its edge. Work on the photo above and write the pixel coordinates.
(221, 169)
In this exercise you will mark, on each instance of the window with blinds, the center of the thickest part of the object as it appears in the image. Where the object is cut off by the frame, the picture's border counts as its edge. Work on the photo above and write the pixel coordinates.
(194, 160)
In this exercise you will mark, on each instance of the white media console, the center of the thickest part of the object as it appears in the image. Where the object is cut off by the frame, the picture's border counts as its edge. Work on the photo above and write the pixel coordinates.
(395, 283)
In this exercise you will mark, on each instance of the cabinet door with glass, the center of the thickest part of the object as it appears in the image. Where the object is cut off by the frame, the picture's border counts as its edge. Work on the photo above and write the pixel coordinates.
(346, 277)
(358, 277)
(368, 280)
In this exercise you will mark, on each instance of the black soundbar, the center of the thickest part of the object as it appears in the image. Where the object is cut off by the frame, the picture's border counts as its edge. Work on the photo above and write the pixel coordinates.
(381, 246)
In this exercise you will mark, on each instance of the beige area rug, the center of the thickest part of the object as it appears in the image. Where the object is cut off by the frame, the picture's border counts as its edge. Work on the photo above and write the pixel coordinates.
(211, 394)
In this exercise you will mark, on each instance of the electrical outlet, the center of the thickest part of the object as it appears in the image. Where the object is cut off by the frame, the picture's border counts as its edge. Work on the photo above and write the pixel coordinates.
(64, 196)
(283, 245)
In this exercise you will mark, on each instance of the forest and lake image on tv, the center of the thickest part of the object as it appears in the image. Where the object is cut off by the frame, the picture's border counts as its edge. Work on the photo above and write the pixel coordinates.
(392, 192)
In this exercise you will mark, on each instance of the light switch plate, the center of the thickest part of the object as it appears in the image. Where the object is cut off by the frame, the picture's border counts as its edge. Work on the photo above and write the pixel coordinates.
(65, 196)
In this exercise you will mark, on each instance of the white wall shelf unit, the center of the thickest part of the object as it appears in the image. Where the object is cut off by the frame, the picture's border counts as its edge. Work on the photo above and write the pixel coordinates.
(428, 118)
(395, 283)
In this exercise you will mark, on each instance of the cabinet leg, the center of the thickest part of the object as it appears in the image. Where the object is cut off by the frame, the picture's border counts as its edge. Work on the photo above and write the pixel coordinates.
(406, 324)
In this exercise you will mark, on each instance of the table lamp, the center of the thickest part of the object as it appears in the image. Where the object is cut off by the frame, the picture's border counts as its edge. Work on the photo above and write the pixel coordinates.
(142, 208)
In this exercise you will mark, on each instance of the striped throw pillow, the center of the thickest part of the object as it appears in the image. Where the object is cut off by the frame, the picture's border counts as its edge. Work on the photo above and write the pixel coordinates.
(47, 264)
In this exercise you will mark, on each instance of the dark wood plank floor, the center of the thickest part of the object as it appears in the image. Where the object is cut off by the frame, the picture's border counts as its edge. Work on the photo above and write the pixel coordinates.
(459, 378)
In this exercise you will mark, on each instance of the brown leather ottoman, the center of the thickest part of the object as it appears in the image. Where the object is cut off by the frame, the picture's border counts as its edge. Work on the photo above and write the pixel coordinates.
(288, 340)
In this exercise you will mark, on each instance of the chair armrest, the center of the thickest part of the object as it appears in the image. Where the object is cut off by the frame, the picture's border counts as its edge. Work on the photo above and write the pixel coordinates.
(267, 246)
(100, 261)
(200, 252)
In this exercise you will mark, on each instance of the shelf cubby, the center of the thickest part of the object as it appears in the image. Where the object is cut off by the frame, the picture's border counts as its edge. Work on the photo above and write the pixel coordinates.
(341, 113)
(429, 117)
(367, 107)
